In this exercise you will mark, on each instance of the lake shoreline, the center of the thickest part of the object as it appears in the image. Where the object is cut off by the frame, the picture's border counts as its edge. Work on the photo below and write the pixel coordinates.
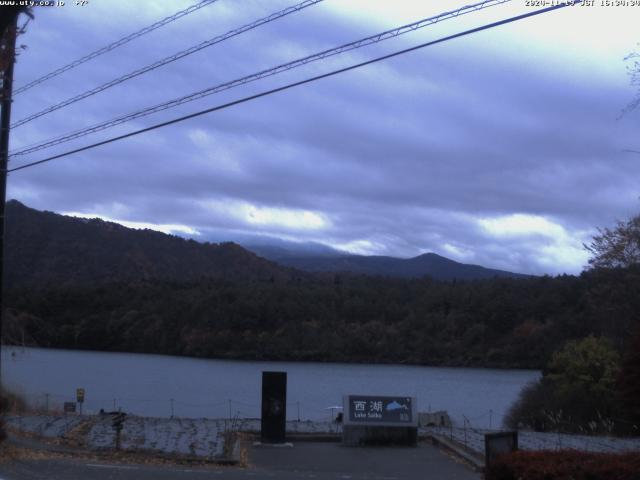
(158, 385)
(249, 360)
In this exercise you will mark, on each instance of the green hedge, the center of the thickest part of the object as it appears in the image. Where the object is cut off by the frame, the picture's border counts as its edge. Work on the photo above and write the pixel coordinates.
(565, 465)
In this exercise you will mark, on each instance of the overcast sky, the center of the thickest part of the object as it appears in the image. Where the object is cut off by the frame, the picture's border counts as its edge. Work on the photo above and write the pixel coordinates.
(504, 148)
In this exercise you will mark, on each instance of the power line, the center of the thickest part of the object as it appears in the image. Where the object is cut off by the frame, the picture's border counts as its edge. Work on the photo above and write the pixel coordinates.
(169, 59)
(379, 37)
(116, 44)
(298, 83)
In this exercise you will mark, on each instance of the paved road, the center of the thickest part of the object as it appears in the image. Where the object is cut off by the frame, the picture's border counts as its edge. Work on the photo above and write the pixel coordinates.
(318, 461)
(333, 461)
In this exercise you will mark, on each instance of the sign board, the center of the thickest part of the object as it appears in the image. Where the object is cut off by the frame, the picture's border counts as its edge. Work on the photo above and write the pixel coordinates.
(80, 395)
(69, 407)
(380, 410)
(274, 407)
(499, 443)
(118, 419)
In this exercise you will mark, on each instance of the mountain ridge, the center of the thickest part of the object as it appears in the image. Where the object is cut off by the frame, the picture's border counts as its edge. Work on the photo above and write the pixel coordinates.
(46, 248)
(427, 264)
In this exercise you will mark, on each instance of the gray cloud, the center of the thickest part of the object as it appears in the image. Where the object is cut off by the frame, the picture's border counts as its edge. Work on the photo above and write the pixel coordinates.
(415, 154)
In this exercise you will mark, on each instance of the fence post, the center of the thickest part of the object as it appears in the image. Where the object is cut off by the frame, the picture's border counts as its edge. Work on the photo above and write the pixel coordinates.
(172, 408)
(464, 424)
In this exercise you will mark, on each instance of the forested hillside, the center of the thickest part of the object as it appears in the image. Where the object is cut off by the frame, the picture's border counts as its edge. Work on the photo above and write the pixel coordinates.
(89, 284)
(497, 323)
(45, 248)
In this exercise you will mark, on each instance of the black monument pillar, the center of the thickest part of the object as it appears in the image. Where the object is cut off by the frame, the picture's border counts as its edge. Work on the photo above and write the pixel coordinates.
(274, 407)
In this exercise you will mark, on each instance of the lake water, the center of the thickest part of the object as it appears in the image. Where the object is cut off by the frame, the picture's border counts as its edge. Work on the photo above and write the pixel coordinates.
(152, 385)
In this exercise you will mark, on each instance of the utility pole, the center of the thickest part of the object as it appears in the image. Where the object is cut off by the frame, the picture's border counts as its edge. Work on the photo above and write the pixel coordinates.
(10, 35)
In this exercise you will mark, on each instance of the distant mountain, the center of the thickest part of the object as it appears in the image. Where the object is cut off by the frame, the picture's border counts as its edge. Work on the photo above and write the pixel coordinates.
(278, 250)
(46, 249)
(316, 257)
(428, 264)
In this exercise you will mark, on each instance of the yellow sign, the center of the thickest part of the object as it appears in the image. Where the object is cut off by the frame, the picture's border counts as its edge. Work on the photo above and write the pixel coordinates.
(80, 395)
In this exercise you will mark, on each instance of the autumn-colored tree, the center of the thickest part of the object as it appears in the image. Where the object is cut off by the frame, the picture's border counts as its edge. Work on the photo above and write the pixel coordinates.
(618, 246)
(589, 365)
(576, 392)
(633, 69)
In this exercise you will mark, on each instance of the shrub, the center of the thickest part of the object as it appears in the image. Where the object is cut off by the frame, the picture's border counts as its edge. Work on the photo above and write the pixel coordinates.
(576, 393)
(9, 402)
(565, 465)
(628, 383)
(529, 410)
(12, 402)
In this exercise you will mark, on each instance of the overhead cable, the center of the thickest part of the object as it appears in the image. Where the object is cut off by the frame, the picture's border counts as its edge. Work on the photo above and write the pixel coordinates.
(116, 44)
(298, 83)
(169, 59)
(379, 37)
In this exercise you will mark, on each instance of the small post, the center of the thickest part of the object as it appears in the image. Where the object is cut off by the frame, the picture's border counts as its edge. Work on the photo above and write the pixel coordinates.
(230, 411)
(80, 397)
(46, 402)
(117, 423)
(172, 408)
(298, 403)
(464, 423)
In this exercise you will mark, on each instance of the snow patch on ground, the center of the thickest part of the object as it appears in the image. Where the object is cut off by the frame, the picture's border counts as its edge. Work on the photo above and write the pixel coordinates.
(193, 437)
(199, 437)
(49, 426)
(204, 437)
(474, 439)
